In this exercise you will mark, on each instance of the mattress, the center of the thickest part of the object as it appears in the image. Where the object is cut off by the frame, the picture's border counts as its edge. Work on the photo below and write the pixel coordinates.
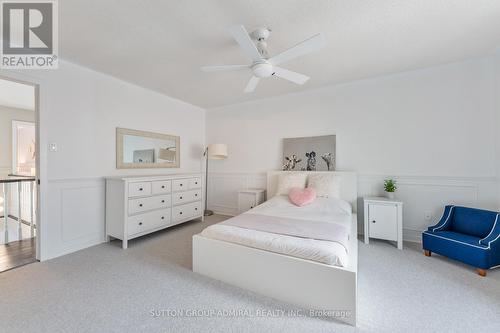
(322, 209)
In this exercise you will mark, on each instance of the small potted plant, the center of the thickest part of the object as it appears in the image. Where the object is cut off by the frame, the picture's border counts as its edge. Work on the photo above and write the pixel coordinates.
(390, 187)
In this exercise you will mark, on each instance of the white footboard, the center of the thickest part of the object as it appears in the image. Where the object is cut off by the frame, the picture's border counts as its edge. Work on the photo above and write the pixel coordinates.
(304, 283)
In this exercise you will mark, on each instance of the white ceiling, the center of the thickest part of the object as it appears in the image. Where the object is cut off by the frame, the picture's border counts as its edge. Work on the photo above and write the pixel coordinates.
(17, 95)
(161, 44)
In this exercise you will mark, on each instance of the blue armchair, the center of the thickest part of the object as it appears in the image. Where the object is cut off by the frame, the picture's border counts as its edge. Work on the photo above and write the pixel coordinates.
(469, 235)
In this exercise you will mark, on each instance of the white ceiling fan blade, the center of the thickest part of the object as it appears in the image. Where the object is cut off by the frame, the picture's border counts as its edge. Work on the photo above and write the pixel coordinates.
(290, 76)
(241, 35)
(224, 68)
(252, 84)
(312, 44)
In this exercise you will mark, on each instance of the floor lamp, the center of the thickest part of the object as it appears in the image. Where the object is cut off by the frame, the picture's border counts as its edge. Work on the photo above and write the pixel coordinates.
(214, 151)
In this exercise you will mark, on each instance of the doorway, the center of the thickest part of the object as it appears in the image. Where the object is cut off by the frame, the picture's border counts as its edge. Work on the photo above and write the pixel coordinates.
(18, 171)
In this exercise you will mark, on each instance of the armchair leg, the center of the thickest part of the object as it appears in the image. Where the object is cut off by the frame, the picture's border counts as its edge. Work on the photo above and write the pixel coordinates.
(427, 253)
(481, 272)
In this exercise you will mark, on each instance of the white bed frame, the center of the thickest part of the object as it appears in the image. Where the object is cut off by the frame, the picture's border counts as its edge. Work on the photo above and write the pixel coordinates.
(304, 283)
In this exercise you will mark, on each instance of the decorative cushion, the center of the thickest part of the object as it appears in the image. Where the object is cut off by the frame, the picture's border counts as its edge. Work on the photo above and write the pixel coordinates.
(302, 196)
(327, 185)
(290, 179)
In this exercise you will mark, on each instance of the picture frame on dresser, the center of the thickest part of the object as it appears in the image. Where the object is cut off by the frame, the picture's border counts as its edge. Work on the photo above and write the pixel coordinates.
(137, 206)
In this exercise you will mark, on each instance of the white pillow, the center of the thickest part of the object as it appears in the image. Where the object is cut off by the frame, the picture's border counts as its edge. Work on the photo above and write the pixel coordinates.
(326, 185)
(290, 179)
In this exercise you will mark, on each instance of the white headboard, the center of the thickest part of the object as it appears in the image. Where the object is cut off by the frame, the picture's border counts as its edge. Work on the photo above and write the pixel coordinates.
(348, 184)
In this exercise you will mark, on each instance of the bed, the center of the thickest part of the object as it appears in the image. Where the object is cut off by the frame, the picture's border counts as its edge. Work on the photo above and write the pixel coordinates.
(314, 274)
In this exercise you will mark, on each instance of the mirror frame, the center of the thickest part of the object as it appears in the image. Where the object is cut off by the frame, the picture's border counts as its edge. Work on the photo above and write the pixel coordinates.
(121, 132)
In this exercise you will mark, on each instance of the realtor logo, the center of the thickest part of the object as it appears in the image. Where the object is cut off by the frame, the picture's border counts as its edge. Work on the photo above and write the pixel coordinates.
(29, 34)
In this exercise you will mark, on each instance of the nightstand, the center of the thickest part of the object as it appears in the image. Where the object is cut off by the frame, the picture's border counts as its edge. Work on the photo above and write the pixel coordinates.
(249, 198)
(383, 219)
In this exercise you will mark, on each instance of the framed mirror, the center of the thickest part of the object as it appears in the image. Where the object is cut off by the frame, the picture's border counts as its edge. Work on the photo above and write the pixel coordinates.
(144, 150)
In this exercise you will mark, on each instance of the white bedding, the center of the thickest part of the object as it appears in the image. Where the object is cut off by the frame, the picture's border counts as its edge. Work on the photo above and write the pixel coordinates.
(322, 209)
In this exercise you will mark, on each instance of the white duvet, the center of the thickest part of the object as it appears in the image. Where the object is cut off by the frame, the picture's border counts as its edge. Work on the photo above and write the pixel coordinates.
(322, 209)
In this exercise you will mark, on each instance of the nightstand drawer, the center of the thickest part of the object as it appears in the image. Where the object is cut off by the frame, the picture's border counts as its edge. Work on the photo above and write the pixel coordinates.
(383, 221)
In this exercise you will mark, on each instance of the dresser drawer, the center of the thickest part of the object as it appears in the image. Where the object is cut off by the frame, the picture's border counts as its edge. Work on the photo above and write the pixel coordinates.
(160, 187)
(194, 195)
(149, 203)
(139, 189)
(180, 198)
(180, 184)
(196, 209)
(148, 221)
(182, 212)
(194, 183)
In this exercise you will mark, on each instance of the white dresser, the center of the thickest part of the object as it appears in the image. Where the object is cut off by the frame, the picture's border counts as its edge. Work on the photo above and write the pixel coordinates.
(136, 206)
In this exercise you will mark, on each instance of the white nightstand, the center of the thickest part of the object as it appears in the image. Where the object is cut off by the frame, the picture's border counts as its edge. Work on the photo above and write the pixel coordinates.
(249, 198)
(383, 219)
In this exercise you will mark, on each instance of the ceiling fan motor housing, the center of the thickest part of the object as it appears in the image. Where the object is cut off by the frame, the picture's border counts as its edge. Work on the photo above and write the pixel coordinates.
(261, 34)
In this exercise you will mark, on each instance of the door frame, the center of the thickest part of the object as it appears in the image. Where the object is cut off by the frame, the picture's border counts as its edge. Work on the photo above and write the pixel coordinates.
(41, 155)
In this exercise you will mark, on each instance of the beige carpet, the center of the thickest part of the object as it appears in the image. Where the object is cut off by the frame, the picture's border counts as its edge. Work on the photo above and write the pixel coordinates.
(148, 286)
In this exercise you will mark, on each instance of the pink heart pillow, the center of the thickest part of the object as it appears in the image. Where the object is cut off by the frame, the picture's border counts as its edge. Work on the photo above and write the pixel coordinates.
(301, 196)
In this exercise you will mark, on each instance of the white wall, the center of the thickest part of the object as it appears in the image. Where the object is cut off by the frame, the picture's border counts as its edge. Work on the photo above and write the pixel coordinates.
(80, 110)
(433, 129)
(7, 115)
(496, 92)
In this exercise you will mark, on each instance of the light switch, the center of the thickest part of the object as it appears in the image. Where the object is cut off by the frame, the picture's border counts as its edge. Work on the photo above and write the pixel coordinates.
(53, 146)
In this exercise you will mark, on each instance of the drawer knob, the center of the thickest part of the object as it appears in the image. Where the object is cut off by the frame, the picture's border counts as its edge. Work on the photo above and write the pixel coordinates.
(196, 194)
(140, 189)
(196, 183)
(163, 217)
(180, 213)
(163, 186)
(140, 205)
(140, 223)
(374, 221)
(196, 209)
(251, 207)
(180, 185)
(163, 201)
(180, 198)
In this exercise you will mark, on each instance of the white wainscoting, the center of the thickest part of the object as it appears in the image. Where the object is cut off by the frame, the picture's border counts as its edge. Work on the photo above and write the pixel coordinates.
(420, 195)
(75, 215)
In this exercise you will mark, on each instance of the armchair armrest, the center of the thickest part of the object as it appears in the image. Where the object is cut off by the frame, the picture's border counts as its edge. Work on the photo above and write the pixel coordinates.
(445, 221)
(493, 236)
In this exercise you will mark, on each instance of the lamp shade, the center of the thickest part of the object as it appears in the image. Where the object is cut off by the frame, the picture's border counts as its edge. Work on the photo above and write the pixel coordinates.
(217, 151)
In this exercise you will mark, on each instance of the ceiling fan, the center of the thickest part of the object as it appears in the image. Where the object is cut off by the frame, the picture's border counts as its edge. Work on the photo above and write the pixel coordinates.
(254, 46)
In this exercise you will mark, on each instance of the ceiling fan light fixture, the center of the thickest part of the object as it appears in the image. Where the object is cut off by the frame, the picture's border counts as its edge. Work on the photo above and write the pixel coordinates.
(263, 70)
